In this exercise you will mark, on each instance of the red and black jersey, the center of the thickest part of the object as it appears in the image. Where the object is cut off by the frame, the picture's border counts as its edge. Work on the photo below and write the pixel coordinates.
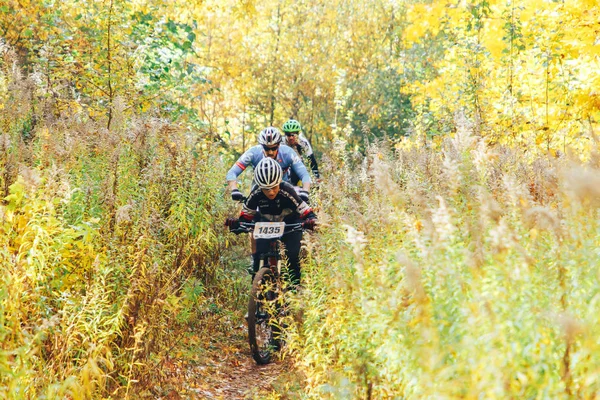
(287, 206)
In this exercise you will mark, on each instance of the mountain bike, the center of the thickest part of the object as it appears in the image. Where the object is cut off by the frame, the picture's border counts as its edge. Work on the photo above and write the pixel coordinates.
(266, 304)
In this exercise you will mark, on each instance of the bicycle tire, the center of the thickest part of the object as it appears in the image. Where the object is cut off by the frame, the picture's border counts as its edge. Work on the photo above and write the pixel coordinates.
(262, 327)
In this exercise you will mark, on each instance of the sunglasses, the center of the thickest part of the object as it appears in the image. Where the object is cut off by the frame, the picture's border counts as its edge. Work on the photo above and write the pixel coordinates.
(267, 148)
(290, 134)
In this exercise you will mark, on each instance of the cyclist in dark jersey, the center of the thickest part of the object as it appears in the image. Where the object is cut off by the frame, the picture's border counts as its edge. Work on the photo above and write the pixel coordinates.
(277, 201)
(294, 139)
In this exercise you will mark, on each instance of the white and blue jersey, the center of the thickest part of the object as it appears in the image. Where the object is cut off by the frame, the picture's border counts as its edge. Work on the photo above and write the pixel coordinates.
(304, 149)
(286, 157)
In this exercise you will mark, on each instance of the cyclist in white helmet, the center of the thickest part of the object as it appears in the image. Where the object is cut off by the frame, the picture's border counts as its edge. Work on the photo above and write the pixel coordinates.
(276, 201)
(269, 146)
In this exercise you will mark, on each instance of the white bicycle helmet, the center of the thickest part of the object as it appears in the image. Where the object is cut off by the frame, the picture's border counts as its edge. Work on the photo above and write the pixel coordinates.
(269, 136)
(268, 173)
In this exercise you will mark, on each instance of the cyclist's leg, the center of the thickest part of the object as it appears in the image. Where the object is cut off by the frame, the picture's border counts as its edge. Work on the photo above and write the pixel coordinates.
(254, 255)
(292, 250)
(253, 247)
(260, 246)
(294, 179)
(252, 243)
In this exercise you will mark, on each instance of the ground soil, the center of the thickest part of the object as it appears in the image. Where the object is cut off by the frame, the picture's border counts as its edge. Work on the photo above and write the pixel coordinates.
(218, 365)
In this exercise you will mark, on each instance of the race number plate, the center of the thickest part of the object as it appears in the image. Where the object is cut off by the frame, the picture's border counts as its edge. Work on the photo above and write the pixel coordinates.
(268, 230)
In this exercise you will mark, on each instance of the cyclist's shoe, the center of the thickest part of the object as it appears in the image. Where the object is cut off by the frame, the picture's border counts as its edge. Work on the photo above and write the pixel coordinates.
(261, 315)
(250, 270)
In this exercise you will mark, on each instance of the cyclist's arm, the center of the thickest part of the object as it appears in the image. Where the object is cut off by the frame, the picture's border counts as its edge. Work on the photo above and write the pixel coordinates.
(301, 171)
(250, 206)
(311, 157)
(313, 165)
(232, 185)
(240, 165)
(301, 207)
(309, 214)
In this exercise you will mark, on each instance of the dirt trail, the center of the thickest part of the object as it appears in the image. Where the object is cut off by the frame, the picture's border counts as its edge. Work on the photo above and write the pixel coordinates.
(219, 366)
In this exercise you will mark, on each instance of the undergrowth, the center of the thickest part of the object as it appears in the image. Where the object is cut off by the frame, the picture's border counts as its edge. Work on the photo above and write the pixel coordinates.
(111, 244)
(464, 271)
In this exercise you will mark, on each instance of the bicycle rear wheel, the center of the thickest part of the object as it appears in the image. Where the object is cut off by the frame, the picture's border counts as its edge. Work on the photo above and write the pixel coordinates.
(263, 332)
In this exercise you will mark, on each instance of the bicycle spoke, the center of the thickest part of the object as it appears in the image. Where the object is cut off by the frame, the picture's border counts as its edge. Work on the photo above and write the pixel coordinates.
(264, 327)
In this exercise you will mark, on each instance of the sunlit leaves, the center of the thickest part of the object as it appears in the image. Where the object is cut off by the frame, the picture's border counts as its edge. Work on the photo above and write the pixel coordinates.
(520, 63)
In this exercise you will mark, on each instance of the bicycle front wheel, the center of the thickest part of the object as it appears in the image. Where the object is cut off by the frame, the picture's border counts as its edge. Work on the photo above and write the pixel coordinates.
(263, 332)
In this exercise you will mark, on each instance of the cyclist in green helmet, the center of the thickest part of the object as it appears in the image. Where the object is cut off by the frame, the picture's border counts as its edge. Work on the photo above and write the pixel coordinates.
(296, 140)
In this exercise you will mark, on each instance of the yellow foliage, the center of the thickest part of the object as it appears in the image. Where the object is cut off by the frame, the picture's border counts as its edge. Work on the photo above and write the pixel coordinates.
(33, 233)
(543, 72)
(492, 38)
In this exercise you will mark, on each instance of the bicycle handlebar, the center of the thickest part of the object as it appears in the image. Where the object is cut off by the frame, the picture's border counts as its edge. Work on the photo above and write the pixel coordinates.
(238, 227)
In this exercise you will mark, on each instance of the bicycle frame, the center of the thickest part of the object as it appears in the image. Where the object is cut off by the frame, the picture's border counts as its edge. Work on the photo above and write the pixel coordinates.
(263, 307)
(272, 258)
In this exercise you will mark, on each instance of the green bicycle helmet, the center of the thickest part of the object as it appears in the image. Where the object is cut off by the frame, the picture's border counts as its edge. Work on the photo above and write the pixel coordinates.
(292, 126)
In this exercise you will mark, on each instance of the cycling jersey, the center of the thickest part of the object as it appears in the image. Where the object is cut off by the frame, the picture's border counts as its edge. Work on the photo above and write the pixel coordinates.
(286, 157)
(304, 149)
(287, 206)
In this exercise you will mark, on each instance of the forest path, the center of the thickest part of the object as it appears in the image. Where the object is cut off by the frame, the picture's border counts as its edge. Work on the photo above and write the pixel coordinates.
(217, 364)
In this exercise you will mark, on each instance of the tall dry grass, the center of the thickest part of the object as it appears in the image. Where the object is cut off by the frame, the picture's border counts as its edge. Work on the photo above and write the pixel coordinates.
(110, 243)
(458, 271)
